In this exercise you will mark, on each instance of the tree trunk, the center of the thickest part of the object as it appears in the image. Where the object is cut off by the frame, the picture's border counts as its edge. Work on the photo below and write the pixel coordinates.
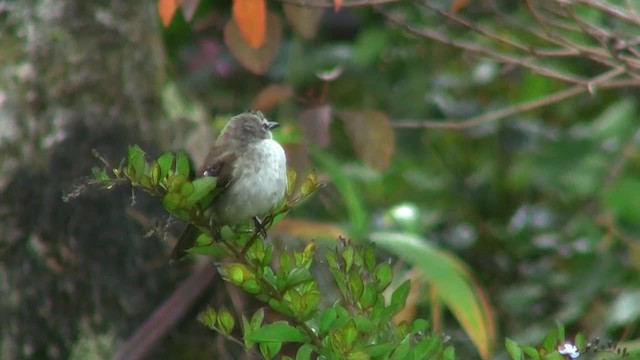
(75, 76)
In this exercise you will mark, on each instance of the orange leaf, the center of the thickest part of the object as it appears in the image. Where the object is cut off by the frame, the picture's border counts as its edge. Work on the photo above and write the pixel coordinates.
(251, 18)
(166, 9)
(271, 96)
(337, 4)
(256, 60)
(458, 5)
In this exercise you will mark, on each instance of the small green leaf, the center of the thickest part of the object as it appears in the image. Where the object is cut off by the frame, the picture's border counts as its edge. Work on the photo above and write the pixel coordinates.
(327, 318)
(225, 321)
(550, 341)
(202, 187)
(165, 161)
(304, 352)
(136, 162)
(401, 351)
(208, 317)
(310, 184)
(279, 331)
(356, 285)
(580, 341)
(291, 181)
(257, 318)
(347, 256)
(182, 164)
(298, 276)
(531, 352)
(560, 329)
(381, 351)
(449, 353)
(270, 349)
(513, 349)
(419, 325)
(399, 296)
(384, 275)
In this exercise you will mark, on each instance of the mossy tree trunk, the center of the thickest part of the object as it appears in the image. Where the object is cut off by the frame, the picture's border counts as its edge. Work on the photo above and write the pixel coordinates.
(75, 76)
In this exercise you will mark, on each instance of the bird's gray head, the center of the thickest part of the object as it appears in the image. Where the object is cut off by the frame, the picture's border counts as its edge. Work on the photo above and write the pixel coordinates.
(247, 128)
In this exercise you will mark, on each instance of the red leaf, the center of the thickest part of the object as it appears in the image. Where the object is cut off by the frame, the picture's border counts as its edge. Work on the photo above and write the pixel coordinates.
(166, 9)
(371, 135)
(271, 96)
(251, 17)
(256, 60)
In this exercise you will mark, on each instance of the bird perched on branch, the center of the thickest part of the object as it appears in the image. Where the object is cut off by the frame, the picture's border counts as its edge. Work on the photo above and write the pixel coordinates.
(251, 171)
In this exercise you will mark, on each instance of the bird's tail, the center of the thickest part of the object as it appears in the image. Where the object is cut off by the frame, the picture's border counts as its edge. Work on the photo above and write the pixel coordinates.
(185, 242)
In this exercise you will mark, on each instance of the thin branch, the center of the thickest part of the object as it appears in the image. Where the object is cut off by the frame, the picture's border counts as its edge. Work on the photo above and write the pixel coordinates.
(515, 109)
(610, 9)
(477, 49)
(330, 4)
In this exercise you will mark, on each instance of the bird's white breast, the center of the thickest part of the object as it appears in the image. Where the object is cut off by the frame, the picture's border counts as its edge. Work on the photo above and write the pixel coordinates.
(259, 184)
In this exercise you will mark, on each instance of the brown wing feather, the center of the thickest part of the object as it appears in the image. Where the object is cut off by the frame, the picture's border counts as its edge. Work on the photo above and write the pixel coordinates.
(220, 165)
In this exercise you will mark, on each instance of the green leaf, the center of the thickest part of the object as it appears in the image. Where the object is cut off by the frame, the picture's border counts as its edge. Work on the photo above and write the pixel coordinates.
(182, 164)
(327, 318)
(298, 276)
(270, 349)
(136, 162)
(225, 321)
(357, 214)
(208, 317)
(202, 187)
(449, 353)
(278, 331)
(165, 162)
(304, 352)
(623, 199)
(399, 296)
(513, 349)
(560, 330)
(531, 352)
(452, 282)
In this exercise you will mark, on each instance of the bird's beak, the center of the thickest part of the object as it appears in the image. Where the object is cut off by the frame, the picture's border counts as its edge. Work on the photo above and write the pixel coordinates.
(273, 125)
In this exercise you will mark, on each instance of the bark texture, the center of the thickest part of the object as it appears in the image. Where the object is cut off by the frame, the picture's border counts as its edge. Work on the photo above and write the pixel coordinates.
(75, 76)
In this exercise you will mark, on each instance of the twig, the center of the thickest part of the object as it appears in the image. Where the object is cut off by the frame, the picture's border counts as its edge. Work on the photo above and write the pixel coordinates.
(512, 110)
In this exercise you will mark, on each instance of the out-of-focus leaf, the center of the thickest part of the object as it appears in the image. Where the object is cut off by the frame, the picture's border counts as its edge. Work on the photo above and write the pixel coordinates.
(189, 8)
(337, 4)
(371, 135)
(166, 10)
(307, 229)
(250, 16)
(357, 215)
(453, 283)
(256, 60)
(271, 96)
(623, 199)
(458, 5)
(616, 122)
(315, 124)
(304, 19)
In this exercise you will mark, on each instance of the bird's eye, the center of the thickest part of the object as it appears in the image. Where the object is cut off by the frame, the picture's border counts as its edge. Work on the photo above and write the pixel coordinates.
(265, 126)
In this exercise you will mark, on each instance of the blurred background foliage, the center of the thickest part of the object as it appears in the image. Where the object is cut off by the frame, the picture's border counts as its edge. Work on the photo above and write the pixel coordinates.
(490, 148)
(540, 203)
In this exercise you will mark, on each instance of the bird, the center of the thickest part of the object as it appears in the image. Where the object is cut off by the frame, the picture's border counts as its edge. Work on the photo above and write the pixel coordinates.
(251, 173)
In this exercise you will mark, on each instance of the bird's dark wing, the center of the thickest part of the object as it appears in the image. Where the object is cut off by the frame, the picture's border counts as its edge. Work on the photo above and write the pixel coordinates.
(217, 164)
